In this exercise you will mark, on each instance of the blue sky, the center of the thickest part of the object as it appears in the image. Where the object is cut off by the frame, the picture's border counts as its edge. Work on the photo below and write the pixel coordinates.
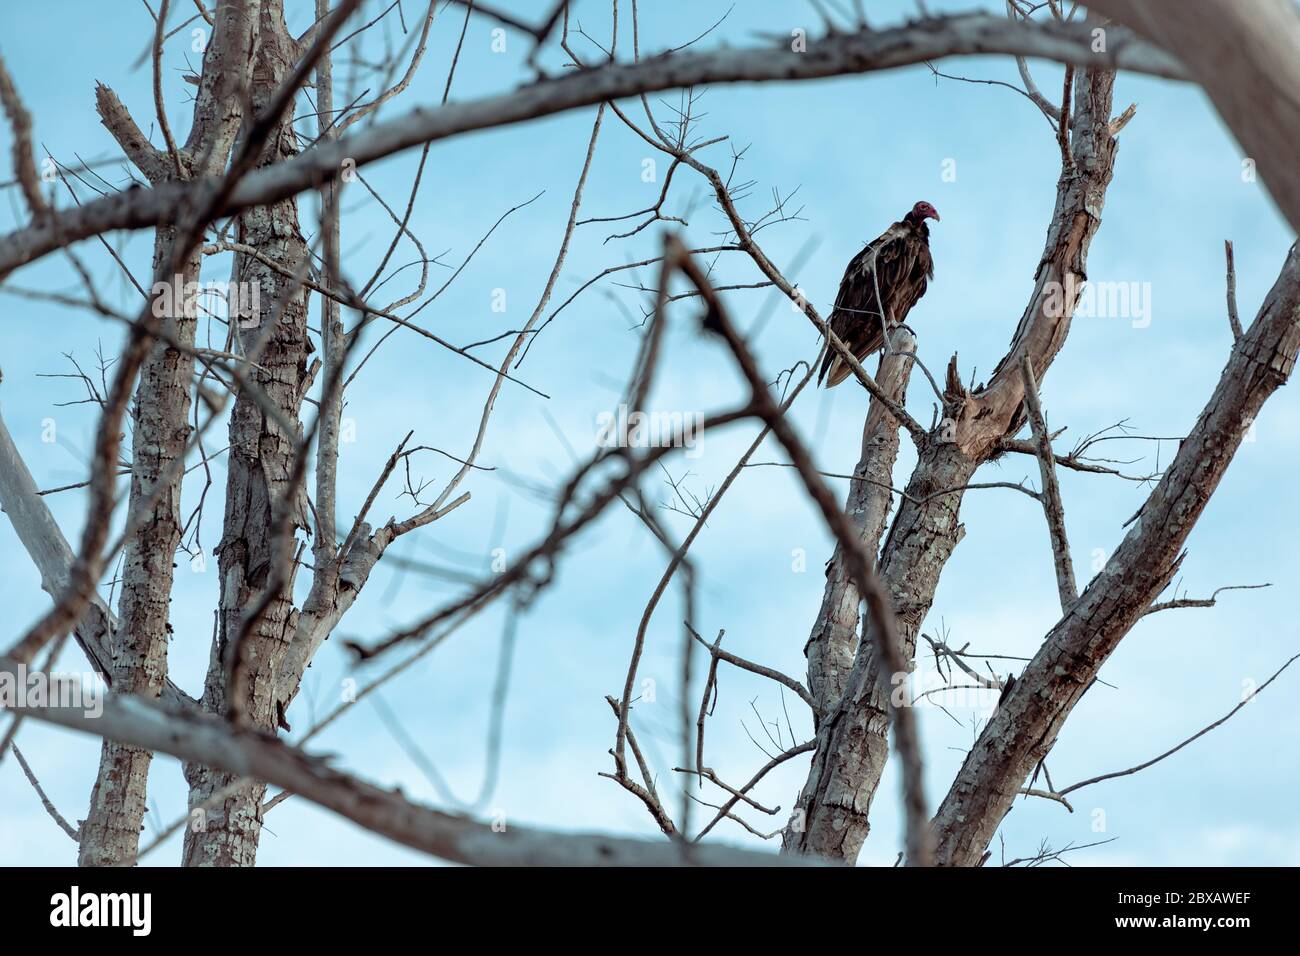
(860, 150)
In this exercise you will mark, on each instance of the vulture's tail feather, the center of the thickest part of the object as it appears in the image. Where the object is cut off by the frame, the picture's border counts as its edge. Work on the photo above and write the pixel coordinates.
(834, 370)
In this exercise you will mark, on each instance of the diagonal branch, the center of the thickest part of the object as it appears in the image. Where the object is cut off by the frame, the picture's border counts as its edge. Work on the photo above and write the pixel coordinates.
(1051, 493)
(1234, 321)
(204, 739)
(1026, 724)
(760, 669)
(64, 825)
(839, 54)
(20, 123)
(1196, 736)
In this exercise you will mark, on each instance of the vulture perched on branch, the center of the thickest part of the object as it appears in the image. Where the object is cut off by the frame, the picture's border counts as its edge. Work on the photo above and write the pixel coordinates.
(894, 269)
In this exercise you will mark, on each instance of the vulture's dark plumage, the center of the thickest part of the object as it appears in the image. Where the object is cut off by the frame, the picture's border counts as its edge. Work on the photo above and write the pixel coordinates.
(895, 269)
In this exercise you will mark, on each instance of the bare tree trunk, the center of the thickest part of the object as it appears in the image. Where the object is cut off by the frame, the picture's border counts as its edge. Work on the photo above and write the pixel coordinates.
(833, 643)
(852, 743)
(259, 463)
(138, 647)
(834, 638)
(110, 835)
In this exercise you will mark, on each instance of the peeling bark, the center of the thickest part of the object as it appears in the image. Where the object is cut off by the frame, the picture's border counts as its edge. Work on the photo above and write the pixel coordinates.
(834, 638)
(258, 467)
(110, 835)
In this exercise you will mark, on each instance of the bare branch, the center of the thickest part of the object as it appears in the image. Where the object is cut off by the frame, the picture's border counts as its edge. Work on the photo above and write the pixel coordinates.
(64, 825)
(1201, 602)
(1233, 320)
(759, 669)
(257, 755)
(860, 52)
(20, 123)
(1051, 493)
(1246, 699)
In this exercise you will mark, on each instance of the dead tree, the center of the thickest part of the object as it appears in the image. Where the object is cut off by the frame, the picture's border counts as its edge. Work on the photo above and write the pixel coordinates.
(138, 644)
(278, 384)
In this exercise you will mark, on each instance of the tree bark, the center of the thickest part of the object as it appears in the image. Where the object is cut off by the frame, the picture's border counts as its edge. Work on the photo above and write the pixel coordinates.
(259, 463)
(110, 834)
(834, 638)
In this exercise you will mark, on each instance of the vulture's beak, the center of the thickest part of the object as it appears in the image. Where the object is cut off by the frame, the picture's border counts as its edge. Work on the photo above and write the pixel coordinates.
(936, 216)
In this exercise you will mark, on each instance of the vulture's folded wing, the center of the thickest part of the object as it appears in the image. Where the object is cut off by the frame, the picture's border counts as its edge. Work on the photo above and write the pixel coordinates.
(880, 271)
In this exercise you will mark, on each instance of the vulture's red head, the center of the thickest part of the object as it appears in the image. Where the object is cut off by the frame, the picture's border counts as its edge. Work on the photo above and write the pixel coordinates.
(923, 211)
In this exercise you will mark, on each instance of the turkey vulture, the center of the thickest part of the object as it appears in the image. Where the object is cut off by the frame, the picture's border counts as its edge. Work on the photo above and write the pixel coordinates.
(895, 268)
